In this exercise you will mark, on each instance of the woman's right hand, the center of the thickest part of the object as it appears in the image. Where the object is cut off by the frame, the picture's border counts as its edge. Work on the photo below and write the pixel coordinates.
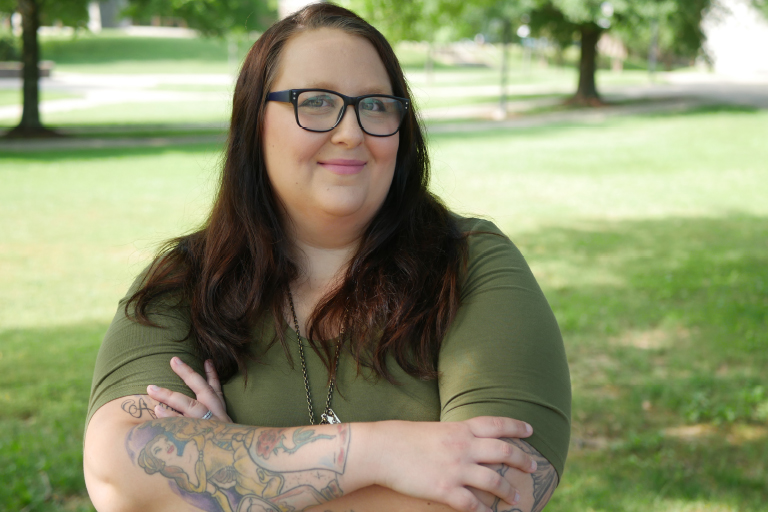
(445, 462)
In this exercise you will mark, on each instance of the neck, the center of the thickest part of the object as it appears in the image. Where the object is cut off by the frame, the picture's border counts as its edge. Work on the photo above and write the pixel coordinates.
(321, 265)
(322, 256)
(323, 247)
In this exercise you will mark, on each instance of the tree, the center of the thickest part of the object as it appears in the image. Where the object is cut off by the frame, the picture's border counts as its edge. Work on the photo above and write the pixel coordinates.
(428, 20)
(33, 13)
(589, 19)
(211, 17)
(414, 20)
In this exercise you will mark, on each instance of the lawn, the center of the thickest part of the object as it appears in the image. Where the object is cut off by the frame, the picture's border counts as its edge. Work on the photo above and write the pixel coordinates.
(113, 53)
(649, 235)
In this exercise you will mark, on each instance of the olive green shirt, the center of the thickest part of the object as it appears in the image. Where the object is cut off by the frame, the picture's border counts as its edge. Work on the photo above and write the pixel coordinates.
(503, 356)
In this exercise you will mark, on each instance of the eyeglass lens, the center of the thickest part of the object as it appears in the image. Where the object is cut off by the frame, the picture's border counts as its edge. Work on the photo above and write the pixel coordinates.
(379, 115)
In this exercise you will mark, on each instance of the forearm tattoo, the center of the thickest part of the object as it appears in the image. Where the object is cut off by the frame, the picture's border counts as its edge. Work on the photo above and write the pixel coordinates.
(544, 479)
(234, 468)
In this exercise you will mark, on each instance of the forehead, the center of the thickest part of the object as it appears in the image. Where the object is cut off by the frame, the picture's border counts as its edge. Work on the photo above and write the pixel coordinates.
(332, 59)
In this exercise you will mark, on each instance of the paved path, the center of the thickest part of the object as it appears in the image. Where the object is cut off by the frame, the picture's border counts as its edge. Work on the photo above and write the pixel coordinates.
(679, 92)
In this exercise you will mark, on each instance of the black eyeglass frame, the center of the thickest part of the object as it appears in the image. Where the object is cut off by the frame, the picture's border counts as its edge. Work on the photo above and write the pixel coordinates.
(292, 96)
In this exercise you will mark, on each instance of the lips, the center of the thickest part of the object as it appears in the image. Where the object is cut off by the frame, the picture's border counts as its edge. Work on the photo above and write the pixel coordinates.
(170, 449)
(343, 166)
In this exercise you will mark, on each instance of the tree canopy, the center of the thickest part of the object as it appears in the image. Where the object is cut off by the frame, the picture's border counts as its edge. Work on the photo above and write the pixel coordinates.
(675, 24)
(210, 17)
(72, 13)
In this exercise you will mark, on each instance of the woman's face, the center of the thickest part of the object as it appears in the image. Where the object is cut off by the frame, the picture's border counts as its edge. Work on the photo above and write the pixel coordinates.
(164, 449)
(303, 167)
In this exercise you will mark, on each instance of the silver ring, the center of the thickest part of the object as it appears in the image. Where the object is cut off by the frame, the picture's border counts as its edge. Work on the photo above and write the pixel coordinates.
(207, 416)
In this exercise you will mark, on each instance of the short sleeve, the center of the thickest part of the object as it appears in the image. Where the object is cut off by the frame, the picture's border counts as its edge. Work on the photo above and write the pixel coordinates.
(133, 356)
(504, 354)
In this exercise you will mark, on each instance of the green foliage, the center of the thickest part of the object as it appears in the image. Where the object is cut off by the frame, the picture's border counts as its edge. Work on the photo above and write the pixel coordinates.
(415, 20)
(762, 5)
(72, 13)
(9, 48)
(211, 17)
(679, 21)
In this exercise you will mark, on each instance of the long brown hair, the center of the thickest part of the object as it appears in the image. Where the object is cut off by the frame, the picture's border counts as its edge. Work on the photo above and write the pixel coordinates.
(401, 289)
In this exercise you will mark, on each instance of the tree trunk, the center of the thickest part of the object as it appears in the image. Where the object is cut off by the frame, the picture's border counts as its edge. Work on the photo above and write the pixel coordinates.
(587, 92)
(30, 125)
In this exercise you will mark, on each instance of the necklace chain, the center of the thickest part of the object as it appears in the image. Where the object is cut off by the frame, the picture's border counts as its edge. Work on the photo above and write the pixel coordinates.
(328, 415)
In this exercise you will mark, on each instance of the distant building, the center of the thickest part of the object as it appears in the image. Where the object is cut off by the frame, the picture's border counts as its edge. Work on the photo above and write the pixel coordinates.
(737, 38)
(109, 12)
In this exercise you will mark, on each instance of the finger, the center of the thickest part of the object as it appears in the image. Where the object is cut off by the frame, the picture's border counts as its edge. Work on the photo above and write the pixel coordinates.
(203, 391)
(498, 426)
(213, 378)
(464, 500)
(187, 406)
(496, 451)
(164, 412)
(488, 480)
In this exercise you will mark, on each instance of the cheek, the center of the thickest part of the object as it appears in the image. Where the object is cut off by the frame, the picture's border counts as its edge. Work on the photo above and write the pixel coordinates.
(385, 152)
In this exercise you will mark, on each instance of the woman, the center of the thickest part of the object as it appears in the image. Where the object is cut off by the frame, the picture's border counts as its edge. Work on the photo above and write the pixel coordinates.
(426, 333)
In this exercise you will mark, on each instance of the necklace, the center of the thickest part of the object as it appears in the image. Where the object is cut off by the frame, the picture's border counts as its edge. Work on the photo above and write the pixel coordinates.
(328, 416)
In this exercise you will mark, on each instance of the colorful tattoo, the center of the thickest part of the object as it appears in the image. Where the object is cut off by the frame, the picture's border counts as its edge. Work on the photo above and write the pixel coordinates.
(233, 468)
(271, 440)
(544, 479)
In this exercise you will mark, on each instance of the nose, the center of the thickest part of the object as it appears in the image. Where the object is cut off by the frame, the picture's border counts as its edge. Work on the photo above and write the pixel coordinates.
(348, 131)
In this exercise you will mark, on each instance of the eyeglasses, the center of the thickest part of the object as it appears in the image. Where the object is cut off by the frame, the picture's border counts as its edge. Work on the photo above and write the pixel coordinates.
(321, 110)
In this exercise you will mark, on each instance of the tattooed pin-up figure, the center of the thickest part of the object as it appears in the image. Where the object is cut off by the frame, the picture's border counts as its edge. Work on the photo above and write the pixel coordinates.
(217, 464)
(338, 339)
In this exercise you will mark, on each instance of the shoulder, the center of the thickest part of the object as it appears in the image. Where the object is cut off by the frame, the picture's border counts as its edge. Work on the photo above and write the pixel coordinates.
(491, 256)
(475, 225)
(482, 235)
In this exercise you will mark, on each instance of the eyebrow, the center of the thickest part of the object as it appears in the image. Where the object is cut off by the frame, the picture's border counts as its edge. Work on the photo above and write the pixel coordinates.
(374, 89)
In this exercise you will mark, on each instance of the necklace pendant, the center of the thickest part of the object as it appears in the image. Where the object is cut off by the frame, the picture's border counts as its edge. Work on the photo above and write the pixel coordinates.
(329, 418)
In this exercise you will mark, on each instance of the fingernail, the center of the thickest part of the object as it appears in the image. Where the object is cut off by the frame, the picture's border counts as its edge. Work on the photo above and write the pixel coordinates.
(207, 364)
(153, 388)
(533, 465)
(528, 428)
(517, 498)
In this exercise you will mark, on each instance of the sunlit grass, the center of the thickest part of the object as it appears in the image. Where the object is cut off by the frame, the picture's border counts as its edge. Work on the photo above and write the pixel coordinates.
(13, 97)
(648, 235)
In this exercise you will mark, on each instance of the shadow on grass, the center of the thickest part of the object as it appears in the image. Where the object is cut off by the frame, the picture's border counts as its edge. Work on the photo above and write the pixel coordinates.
(665, 323)
(555, 126)
(666, 327)
(59, 155)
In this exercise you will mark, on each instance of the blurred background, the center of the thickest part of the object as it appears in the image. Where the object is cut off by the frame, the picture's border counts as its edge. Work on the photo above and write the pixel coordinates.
(622, 145)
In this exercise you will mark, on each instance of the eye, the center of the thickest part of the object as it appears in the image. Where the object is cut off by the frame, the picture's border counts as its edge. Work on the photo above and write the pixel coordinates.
(373, 104)
(319, 101)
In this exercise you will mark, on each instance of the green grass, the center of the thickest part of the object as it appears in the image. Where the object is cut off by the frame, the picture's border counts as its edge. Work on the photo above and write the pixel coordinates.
(13, 97)
(112, 52)
(648, 234)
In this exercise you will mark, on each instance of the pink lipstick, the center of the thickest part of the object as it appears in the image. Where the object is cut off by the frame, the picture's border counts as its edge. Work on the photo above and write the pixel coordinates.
(343, 165)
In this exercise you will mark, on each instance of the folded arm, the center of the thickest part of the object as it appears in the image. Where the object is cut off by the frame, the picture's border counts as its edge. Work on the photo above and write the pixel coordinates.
(137, 461)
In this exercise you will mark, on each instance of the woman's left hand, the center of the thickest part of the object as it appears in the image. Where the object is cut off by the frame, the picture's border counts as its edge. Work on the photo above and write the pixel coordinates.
(209, 396)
